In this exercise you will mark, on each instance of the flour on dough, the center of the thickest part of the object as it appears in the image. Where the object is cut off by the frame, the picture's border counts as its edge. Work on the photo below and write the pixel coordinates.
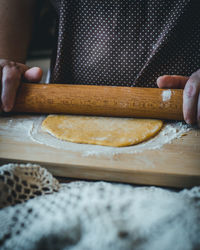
(106, 131)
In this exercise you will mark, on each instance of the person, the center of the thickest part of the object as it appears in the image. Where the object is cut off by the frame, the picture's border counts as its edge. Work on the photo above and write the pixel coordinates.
(124, 42)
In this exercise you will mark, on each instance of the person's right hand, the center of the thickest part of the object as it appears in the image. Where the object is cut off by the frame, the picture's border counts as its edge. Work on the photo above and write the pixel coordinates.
(11, 76)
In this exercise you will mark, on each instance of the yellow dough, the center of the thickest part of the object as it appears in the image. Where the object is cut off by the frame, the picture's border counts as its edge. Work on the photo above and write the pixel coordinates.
(107, 131)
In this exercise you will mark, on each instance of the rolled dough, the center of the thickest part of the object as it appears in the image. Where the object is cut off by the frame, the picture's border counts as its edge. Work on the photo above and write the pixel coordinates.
(106, 131)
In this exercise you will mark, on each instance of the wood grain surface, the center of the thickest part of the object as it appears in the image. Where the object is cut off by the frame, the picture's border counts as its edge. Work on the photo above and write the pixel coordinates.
(99, 100)
(174, 165)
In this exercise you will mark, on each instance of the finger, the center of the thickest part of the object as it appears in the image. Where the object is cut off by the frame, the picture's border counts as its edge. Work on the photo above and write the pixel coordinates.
(11, 77)
(198, 112)
(21, 67)
(33, 74)
(172, 81)
(190, 98)
(1, 105)
(1, 75)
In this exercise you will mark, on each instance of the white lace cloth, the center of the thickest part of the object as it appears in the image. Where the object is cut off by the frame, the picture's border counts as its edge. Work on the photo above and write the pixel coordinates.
(96, 215)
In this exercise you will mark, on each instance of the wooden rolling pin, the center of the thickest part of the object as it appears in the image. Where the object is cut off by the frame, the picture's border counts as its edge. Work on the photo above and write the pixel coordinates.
(100, 100)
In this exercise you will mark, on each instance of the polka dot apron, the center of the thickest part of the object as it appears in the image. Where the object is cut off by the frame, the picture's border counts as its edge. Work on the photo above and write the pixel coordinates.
(125, 42)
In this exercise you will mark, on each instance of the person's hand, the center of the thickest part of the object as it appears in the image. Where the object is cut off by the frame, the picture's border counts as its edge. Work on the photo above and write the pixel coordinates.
(11, 75)
(191, 93)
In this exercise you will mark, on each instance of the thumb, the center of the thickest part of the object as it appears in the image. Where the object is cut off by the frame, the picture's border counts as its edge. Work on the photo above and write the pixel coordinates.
(33, 74)
(172, 81)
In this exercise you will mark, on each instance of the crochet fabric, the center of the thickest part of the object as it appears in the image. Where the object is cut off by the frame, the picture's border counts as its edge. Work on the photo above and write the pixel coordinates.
(93, 215)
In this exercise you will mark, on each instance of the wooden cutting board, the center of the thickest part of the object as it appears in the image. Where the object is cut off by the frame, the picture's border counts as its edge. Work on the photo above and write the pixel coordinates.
(174, 165)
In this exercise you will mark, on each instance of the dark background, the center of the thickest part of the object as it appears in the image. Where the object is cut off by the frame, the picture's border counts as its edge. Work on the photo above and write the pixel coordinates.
(43, 32)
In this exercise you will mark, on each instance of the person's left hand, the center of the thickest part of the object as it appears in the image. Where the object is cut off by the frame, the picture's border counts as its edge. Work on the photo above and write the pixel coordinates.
(191, 93)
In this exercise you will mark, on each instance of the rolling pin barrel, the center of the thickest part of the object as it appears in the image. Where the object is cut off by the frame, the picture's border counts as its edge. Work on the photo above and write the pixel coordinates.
(100, 100)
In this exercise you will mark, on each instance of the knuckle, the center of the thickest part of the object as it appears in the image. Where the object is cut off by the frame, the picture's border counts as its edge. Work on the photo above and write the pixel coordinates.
(10, 65)
(14, 66)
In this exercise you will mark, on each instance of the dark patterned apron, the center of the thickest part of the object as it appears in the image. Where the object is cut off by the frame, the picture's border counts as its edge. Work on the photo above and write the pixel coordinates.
(125, 42)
